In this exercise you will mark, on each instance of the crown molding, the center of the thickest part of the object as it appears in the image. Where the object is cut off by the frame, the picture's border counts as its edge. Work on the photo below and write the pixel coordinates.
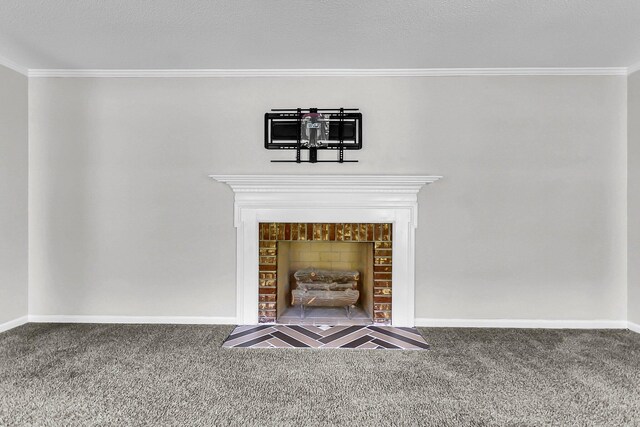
(360, 72)
(633, 68)
(13, 66)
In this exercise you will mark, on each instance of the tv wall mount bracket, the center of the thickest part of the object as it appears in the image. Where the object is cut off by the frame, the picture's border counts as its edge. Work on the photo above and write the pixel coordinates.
(311, 130)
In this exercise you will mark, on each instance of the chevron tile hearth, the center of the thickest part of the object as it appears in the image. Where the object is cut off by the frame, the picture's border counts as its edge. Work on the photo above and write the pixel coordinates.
(307, 336)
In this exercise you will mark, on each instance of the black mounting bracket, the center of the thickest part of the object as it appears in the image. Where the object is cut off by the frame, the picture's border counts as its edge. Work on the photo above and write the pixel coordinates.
(341, 130)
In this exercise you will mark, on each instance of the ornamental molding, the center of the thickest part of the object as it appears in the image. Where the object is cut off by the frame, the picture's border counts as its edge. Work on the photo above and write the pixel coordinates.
(410, 184)
(327, 72)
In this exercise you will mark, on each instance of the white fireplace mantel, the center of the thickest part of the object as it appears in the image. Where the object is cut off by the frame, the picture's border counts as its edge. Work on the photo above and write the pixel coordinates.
(326, 198)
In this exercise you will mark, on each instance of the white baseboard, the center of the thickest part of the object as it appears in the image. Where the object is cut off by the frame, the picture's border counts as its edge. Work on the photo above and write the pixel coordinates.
(522, 323)
(13, 323)
(420, 322)
(176, 320)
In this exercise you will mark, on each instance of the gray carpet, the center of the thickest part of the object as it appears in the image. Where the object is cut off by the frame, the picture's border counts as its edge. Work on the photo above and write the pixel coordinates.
(131, 375)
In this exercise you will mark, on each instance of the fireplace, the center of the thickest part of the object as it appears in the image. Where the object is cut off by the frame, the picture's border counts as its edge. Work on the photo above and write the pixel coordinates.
(362, 248)
(320, 202)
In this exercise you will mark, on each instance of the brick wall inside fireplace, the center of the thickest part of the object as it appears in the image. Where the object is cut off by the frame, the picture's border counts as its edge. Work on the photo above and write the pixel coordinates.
(378, 234)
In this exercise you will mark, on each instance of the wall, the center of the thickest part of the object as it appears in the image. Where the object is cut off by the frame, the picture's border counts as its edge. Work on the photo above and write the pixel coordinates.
(633, 213)
(327, 255)
(13, 195)
(528, 223)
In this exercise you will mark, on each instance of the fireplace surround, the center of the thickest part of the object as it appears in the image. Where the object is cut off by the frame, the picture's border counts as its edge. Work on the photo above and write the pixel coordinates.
(325, 199)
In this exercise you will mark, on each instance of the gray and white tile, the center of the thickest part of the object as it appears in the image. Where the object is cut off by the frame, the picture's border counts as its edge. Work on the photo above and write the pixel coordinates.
(313, 336)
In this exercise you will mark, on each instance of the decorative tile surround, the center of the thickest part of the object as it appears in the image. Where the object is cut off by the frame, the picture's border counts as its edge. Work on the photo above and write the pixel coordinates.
(378, 234)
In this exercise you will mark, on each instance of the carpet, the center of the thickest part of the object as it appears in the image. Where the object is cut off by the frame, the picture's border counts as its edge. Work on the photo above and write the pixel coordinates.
(309, 336)
(179, 375)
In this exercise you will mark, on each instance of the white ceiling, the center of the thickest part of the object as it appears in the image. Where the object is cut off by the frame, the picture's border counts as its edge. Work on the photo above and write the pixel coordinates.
(283, 34)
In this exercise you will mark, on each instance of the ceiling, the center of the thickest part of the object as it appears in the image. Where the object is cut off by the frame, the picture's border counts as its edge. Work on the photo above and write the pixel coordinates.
(285, 34)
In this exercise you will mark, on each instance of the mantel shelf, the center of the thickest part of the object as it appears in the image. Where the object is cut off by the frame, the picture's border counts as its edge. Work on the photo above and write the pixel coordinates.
(326, 183)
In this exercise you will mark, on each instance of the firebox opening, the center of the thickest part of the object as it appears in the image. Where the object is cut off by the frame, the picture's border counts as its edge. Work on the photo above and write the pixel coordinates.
(329, 301)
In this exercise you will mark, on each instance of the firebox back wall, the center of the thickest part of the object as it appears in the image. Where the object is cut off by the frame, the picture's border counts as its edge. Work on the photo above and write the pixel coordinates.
(528, 223)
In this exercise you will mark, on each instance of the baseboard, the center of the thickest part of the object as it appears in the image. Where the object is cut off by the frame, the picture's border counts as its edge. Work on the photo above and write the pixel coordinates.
(13, 323)
(175, 320)
(521, 323)
(421, 322)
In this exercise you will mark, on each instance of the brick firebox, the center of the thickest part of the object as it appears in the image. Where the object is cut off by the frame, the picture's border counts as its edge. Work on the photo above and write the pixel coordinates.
(378, 234)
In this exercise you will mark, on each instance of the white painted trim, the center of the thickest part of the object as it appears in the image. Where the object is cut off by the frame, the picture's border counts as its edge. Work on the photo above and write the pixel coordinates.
(326, 198)
(633, 68)
(169, 320)
(325, 72)
(14, 66)
(13, 323)
(420, 322)
(521, 323)
(326, 183)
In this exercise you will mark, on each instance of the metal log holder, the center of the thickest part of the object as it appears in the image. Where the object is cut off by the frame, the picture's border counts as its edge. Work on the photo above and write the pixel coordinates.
(283, 131)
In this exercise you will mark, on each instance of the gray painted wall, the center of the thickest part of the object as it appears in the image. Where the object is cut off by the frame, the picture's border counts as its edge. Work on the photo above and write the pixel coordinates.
(528, 223)
(13, 195)
(633, 120)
